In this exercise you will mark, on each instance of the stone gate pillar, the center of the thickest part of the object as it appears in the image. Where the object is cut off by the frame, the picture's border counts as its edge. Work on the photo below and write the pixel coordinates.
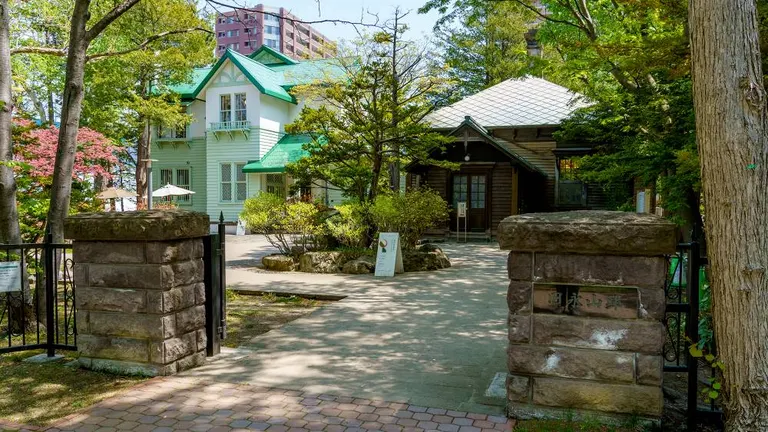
(139, 290)
(586, 303)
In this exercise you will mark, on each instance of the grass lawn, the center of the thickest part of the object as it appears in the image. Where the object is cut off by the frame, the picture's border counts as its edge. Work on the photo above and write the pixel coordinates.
(251, 315)
(572, 426)
(38, 394)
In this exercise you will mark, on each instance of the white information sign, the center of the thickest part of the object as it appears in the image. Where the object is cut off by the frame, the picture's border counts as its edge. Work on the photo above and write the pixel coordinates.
(461, 209)
(10, 273)
(389, 258)
(240, 228)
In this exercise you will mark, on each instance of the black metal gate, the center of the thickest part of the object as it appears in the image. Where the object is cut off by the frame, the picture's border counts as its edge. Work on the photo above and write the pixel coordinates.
(37, 297)
(215, 288)
(684, 290)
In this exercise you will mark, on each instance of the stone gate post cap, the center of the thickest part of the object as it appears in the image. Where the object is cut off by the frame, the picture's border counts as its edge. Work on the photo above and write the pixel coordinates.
(148, 225)
(589, 232)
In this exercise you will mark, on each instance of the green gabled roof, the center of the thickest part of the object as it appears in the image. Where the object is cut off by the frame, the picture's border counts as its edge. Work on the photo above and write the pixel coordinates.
(310, 71)
(288, 149)
(273, 79)
(265, 79)
(270, 56)
(187, 90)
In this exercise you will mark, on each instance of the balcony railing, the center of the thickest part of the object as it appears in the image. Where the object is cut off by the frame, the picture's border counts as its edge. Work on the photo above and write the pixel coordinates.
(231, 126)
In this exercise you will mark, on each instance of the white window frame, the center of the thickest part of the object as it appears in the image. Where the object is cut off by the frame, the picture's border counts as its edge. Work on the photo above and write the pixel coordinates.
(225, 115)
(240, 114)
(173, 172)
(236, 173)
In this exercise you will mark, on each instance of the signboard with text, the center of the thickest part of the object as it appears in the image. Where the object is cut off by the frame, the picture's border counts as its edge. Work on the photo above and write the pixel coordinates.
(461, 209)
(10, 276)
(389, 256)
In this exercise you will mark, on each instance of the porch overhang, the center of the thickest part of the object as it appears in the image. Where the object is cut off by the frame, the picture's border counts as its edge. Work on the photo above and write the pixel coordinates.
(289, 149)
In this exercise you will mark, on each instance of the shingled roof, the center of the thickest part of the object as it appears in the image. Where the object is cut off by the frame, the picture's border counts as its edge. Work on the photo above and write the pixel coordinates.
(529, 101)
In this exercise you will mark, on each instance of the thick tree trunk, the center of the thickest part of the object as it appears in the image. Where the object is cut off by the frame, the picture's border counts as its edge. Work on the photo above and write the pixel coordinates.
(71, 109)
(142, 154)
(9, 217)
(732, 132)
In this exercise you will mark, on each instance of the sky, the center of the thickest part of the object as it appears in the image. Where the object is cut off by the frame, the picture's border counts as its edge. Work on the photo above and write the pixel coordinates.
(353, 10)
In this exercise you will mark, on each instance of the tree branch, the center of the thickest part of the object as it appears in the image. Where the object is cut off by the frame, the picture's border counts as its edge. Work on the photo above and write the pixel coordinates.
(59, 52)
(146, 42)
(533, 9)
(107, 19)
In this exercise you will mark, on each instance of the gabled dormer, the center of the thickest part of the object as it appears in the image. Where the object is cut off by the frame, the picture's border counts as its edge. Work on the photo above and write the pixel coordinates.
(271, 57)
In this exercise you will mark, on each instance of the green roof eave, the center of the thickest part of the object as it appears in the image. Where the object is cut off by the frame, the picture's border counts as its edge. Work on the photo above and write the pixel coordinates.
(231, 56)
(256, 167)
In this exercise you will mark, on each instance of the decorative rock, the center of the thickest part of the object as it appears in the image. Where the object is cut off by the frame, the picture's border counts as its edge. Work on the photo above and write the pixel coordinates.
(588, 232)
(417, 260)
(363, 265)
(278, 262)
(321, 262)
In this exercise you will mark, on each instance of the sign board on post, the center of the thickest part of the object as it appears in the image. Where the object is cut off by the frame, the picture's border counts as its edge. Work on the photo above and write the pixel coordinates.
(389, 257)
(240, 227)
(10, 274)
(461, 212)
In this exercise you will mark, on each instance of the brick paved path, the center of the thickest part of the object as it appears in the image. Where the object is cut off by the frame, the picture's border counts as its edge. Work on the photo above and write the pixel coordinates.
(175, 403)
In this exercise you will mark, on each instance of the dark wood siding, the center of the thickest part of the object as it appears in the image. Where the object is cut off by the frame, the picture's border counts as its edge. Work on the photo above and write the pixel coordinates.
(501, 190)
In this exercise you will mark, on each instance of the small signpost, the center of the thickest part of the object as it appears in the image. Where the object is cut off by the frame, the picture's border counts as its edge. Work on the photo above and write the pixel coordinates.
(461, 212)
(10, 276)
(389, 258)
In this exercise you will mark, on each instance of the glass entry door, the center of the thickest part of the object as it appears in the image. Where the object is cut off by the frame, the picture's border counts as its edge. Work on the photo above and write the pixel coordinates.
(470, 188)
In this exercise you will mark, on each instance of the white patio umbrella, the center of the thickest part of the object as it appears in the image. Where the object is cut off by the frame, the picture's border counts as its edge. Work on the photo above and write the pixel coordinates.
(115, 193)
(171, 190)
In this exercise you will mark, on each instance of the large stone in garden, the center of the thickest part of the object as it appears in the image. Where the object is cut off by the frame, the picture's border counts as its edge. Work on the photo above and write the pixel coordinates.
(363, 265)
(423, 259)
(278, 263)
(321, 262)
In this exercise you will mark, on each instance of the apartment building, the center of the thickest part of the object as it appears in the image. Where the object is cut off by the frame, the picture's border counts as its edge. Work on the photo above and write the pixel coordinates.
(246, 30)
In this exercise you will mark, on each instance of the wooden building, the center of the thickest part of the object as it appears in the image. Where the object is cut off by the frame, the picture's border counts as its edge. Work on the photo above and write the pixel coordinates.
(509, 161)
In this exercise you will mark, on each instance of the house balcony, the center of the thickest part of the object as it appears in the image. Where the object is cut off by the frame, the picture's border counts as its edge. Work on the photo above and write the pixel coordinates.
(172, 137)
(230, 128)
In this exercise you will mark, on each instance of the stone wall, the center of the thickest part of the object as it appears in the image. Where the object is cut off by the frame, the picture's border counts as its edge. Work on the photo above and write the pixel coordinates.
(139, 293)
(586, 303)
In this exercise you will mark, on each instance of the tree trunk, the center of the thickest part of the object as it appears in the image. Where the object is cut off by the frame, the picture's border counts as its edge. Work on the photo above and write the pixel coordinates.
(9, 217)
(142, 154)
(71, 108)
(732, 133)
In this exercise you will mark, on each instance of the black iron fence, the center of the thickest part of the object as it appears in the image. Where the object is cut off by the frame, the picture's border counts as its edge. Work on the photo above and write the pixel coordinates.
(37, 297)
(688, 324)
(214, 260)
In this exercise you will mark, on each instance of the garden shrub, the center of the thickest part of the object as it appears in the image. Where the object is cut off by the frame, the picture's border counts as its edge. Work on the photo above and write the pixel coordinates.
(410, 214)
(287, 225)
(348, 226)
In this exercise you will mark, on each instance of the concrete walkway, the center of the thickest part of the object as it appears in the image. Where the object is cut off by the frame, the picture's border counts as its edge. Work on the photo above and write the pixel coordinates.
(433, 339)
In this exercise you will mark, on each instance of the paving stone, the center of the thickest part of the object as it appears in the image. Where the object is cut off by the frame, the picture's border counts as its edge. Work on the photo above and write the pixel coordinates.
(463, 421)
(448, 427)
(438, 411)
(422, 416)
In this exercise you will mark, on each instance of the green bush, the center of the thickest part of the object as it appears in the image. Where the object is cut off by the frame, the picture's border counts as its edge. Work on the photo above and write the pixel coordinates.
(349, 226)
(410, 214)
(286, 224)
